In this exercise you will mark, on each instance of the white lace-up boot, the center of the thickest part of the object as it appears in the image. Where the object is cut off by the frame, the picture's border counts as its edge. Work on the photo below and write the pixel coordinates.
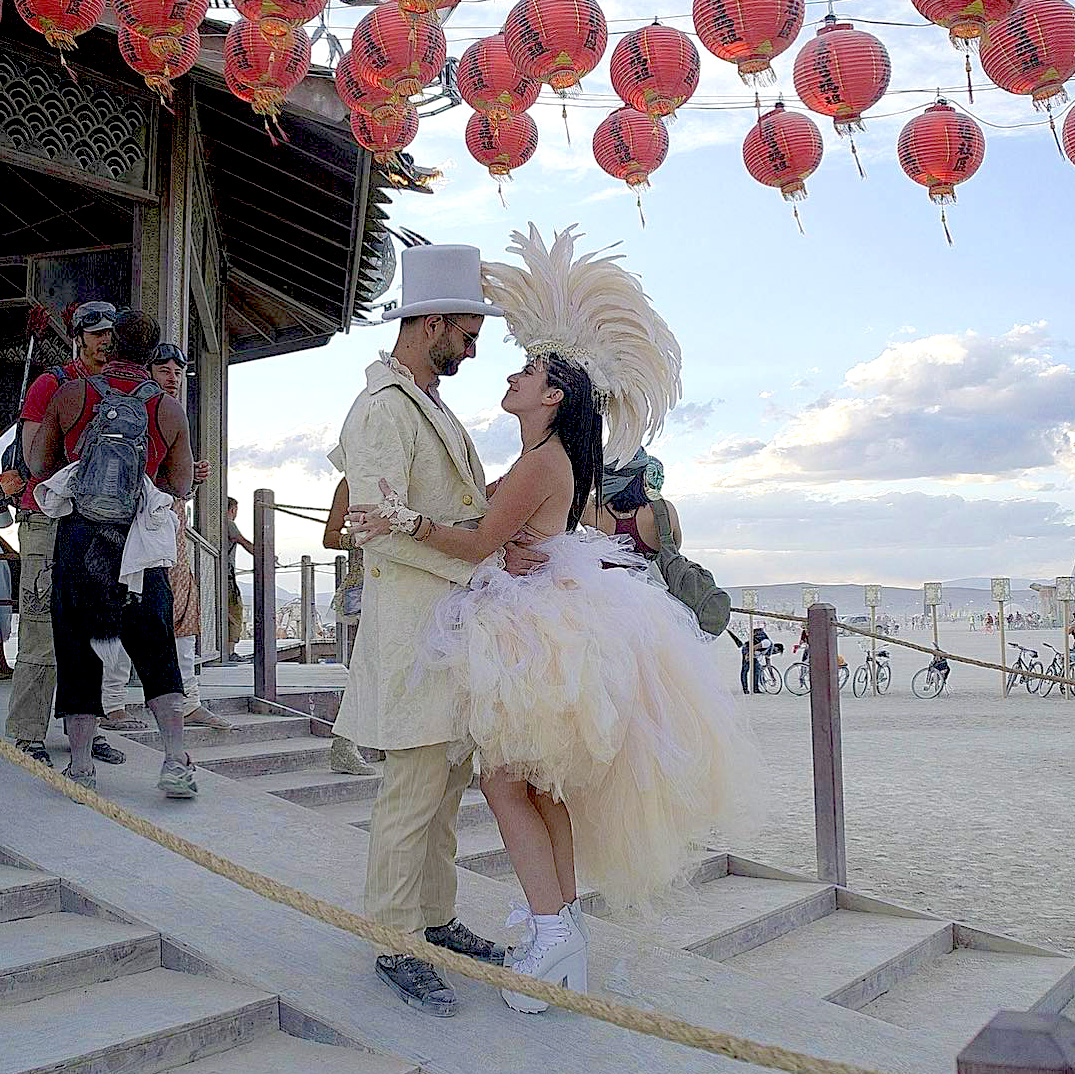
(557, 955)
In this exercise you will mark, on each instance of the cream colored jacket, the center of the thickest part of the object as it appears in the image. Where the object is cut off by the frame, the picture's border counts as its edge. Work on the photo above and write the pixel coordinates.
(395, 431)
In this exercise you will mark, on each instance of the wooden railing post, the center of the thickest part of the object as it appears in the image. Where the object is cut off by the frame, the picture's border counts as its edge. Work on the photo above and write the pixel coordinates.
(264, 595)
(1016, 1042)
(308, 608)
(341, 626)
(828, 754)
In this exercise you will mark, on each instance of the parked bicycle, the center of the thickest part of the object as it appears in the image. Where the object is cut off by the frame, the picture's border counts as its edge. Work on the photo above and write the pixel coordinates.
(1027, 661)
(872, 671)
(797, 676)
(931, 681)
(1057, 668)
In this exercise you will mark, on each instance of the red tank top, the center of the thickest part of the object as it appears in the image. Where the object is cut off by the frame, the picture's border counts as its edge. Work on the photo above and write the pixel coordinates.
(124, 378)
(629, 526)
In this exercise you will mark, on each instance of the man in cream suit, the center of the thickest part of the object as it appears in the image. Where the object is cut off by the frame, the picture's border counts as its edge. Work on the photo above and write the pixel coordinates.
(400, 429)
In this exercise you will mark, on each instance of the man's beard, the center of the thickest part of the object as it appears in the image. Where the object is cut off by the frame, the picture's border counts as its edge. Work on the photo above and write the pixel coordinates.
(444, 360)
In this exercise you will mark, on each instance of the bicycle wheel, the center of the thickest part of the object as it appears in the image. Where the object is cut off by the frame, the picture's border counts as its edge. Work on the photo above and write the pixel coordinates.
(842, 675)
(771, 682)
(884, 678)
(860, 681)
(1047, 687)
(926, 683)
(1034, 685)
(1013, 678)
(797, 679)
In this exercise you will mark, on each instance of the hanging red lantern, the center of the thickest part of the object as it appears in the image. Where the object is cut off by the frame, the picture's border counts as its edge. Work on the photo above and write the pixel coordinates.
(1067, 135)
(1032, 51)
(359, 95)
(556, 41)
(783, 149)
(397, 52)
(655, 69)
(427, 7)
(271, 69)
(275, 17)
(61, 21)
(630, 145)
(501, 145)
(157, 70)
(384, 139)
(164, 23)
(842, 72)
(490, 83)
(940, 148)
(965, 20)
(750, 33)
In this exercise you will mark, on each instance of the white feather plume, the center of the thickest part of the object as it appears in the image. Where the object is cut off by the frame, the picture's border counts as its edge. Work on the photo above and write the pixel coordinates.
(595, 314)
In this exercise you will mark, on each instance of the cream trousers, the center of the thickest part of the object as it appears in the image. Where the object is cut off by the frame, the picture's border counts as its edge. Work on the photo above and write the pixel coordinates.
(116, 676)
(410, 874)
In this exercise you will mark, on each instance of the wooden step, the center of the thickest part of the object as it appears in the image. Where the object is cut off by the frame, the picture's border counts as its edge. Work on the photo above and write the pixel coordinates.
(244, 729)
(316, 787)
(239, 761)
(26, 892)
(472, 810)
(50, 953)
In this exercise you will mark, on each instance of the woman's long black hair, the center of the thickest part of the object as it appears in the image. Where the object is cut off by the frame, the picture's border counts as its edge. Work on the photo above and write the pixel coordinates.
(579, 427)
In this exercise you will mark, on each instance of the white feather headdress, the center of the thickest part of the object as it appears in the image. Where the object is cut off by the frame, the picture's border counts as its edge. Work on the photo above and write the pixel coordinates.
(596, 315)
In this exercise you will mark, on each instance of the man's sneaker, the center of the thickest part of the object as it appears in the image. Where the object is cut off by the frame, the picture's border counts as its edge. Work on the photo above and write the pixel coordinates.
(418, 984)
(84, 779)
(103, 750)
(458, 938)
(345, 759)
(202, 717)
(36, 749)
(177, 779)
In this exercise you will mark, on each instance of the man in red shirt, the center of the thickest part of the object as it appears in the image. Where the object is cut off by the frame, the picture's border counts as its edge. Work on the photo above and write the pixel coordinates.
(91, 607)
(34, 681)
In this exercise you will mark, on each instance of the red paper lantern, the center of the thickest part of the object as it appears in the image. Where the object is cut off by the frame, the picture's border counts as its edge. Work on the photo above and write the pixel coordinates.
(157, 70)
(749, 33)
(384, 139)
(270, 69)
(841, 73)
(630, 145)
(965, 20)
(426, 7)
(1067, 135)
(1032, 51)
(276, 17)
(556, 41)
(783, 149)
(358, 95)
(397, 52)
(489, 82)
(501, 145)
(655, 69)
(61, 21)
(940, 148)
(165, 23)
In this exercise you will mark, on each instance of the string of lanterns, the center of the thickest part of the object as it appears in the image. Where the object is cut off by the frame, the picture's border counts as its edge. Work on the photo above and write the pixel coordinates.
(1026, 47)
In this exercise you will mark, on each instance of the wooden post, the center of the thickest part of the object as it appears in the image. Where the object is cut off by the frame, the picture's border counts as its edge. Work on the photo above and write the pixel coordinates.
(873, 648)
(341, 626)
(264, 595)
(828, 753)
(936, 638)
(752, 679)
(307, 609)
(1003, 653)
(1018, 1042)
(1066, 691)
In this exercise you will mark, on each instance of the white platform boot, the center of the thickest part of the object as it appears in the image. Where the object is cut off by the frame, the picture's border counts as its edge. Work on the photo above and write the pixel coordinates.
(557, 955)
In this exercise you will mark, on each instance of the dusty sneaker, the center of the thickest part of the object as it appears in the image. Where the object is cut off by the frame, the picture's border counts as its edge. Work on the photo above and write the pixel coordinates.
(202, 717)
(35, 749)
(418, 984)
(103, 750)
(83, 779)
(177, 779)
(345, 759)
(458, 938)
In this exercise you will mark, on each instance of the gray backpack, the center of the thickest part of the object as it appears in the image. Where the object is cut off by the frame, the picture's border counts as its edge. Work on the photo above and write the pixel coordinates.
(690, 582)
(113, 451)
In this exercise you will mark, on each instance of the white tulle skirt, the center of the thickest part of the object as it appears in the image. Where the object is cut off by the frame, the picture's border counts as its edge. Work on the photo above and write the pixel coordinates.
(597, 687)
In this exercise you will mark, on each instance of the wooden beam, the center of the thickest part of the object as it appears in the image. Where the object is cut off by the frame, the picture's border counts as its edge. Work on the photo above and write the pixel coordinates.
(261, 210)
(292, 176)
(327, 324)
(306, 252)
(290, 265)
(358, 229)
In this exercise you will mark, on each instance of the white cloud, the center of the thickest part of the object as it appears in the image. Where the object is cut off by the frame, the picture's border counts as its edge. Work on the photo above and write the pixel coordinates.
(305, 449)
(693, 416)
(495, 435)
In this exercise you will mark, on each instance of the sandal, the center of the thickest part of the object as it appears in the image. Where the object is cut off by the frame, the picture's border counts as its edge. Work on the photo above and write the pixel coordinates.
(103, 750)
(122, 723)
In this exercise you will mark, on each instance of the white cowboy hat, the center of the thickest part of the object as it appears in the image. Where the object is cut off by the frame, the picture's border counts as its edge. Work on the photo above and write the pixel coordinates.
(442, 279)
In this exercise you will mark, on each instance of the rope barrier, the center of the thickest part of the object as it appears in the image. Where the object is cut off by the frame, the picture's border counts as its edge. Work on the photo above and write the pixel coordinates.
(929, 650)
(651, 1023)
(298, 514)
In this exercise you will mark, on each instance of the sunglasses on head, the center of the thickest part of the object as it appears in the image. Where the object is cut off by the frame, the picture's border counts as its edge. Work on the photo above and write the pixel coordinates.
(169, 352)
(87, 320)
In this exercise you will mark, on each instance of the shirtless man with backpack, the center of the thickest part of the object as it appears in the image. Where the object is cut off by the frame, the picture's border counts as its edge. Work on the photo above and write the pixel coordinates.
(120, 427)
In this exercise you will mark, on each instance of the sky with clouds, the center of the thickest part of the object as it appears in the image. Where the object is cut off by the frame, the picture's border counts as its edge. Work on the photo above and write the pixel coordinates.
(862, 403)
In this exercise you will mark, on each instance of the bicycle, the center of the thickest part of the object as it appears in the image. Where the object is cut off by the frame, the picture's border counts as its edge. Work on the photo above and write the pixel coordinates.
(872, 670)
(1021, 666)
(1056, 668)
(931, 681)
(769, 679)
(797, 676)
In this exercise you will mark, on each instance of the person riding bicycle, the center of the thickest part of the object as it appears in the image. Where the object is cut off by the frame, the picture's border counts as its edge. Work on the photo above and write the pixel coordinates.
(940, 663)
(763, 645)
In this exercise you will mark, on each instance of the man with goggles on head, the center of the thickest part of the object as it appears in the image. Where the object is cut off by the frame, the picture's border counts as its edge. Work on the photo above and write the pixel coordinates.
(168, 367)
(34, 681)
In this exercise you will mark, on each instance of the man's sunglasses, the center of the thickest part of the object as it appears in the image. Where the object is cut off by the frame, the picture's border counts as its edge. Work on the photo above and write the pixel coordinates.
(169, 352)
(86, 321)
(469, 338)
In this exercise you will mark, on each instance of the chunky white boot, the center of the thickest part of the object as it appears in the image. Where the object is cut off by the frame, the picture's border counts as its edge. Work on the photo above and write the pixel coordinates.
(557, 955)
(579, 918)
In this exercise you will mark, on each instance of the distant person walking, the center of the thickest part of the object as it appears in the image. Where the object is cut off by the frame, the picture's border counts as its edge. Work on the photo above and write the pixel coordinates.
(235, 597)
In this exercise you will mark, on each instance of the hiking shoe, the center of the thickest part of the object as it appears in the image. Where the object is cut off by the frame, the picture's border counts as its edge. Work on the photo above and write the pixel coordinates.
(103, 750)
(418, 984)
(85, 779)
(177, 779)
(36, 749)
(458, 938)
(345, 759)
(202, 717)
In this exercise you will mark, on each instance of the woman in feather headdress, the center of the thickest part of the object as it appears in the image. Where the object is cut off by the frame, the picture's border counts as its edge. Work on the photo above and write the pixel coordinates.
(594, 701)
